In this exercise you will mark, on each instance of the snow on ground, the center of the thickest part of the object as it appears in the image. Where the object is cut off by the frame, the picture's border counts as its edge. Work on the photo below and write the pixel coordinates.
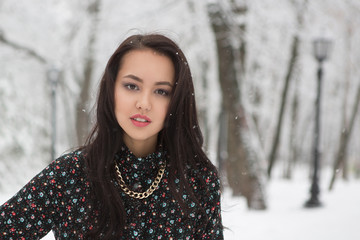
(286, 218)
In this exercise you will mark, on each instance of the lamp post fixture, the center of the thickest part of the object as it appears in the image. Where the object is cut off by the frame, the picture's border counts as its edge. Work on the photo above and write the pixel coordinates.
(53, 75)
(321, 52)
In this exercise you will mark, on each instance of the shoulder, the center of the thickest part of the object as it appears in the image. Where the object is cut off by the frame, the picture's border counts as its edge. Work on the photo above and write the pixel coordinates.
(204, 178)
(68, 165)
(73, 160)
(208, 172)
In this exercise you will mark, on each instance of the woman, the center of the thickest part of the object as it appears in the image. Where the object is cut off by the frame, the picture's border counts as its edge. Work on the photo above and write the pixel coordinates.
(142, 173)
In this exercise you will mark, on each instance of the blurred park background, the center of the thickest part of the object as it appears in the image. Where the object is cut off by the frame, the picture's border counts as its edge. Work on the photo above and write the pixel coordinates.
(255, 69)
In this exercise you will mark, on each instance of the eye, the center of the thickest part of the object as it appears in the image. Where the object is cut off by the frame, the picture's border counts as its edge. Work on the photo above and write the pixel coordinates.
(162, 92)
(131, 86)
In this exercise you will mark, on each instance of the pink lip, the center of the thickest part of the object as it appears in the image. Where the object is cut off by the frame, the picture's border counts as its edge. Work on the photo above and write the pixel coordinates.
(137, 123)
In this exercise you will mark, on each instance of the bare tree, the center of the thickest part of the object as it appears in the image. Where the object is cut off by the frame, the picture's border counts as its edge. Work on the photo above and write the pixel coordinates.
(242, 162)
(340, 164)
(274, 149)
(32, 53)
(82, 117)
(349, 33)
(300, 7)
(294, 149)
(345, 137)
(15, 150)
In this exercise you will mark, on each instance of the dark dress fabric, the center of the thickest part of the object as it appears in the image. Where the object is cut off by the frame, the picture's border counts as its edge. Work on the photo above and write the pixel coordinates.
(59, 199)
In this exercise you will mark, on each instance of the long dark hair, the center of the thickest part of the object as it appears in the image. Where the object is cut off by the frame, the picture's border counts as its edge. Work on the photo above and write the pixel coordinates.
(181, 135)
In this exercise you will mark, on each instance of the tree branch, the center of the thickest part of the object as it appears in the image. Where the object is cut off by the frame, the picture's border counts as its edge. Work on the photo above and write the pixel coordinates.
(25, 49)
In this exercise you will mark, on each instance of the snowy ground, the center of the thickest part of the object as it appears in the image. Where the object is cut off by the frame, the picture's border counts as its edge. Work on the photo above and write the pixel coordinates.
(286, 217)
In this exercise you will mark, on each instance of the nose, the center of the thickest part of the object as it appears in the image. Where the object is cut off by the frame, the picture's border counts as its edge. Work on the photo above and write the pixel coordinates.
(144, 103)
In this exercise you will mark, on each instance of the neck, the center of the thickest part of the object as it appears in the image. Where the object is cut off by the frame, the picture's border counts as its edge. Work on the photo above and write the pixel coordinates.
(140, 148)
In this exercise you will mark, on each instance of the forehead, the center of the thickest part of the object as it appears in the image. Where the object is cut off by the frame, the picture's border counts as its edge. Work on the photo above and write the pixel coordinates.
(147, 64)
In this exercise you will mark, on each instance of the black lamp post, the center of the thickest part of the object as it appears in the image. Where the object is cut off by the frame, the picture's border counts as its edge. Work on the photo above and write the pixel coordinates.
(321, 52)
(53, 75)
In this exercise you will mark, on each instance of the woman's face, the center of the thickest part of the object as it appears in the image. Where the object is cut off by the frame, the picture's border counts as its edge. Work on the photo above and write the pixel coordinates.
(143, 90)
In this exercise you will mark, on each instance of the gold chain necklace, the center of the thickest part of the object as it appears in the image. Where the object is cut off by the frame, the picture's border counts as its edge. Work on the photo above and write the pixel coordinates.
(140, 195)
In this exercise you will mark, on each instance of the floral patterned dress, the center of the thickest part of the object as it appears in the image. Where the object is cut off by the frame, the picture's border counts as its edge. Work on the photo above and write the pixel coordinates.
(59, 199)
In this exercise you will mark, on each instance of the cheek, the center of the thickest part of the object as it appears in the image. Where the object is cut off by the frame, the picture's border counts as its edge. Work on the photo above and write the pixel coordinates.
(121, 99)
(121, 105)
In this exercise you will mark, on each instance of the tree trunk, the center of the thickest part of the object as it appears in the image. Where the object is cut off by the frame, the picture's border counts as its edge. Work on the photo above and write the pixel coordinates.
(274, 149)
(242, 169)
(348, 64)
(299, 8)
(345, 137)
(222, 148)
(293, 137)
(82, 115)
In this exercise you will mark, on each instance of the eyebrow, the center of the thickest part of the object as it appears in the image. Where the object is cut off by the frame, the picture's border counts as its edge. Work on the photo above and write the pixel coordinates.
(136, 78)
